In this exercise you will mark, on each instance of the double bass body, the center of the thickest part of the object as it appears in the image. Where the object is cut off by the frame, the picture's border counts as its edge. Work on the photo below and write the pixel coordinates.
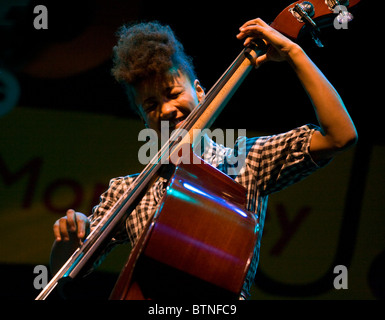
(199, 243)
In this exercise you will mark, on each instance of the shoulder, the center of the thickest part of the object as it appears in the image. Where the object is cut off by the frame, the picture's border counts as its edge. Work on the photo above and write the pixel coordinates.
(120, 184)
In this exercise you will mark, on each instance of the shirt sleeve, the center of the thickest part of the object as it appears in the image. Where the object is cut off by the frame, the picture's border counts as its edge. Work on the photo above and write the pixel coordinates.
(278, 161)
(116, 189)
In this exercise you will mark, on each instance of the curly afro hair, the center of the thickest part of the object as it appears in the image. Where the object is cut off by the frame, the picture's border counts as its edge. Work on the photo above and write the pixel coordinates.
(146, 52)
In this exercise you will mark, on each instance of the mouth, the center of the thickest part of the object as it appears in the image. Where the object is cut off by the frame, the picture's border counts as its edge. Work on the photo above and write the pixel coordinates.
(177, 123)
(174, 124)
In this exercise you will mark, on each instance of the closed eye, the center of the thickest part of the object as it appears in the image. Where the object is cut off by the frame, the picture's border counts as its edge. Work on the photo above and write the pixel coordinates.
(174, 94)
(149, 106)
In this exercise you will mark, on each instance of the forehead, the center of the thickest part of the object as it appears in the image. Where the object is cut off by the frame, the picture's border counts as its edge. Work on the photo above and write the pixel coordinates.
(153, 89)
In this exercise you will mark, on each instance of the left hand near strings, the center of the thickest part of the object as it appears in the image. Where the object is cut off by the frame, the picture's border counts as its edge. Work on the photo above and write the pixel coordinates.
(279, 46)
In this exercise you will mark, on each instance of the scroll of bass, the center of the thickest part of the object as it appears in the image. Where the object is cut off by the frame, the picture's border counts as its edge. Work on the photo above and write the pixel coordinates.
(303, 17)
(200, 241)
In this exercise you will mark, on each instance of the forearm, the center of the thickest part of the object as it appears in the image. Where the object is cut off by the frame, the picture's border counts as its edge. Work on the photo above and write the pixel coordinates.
(338, 131)
(338, 128)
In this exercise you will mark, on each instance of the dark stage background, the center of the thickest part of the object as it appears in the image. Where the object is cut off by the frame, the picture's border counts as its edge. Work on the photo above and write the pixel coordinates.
(66, 129)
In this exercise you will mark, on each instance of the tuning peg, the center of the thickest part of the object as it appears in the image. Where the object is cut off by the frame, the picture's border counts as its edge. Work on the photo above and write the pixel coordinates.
(344, 16)
(303, 12)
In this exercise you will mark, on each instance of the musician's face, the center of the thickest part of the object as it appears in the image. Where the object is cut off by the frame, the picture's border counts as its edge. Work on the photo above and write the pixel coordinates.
(170, 102)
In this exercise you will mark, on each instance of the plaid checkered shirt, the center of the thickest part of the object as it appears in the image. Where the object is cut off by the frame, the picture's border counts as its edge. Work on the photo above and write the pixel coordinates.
(272, 163)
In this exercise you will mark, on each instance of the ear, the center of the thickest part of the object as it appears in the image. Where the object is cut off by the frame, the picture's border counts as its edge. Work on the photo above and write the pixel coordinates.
(199, 90)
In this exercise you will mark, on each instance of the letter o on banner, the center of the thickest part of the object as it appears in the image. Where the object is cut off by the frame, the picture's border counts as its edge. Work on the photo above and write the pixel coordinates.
(55, 186)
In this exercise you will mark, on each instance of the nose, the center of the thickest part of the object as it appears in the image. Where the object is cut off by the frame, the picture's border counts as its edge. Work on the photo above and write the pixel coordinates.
(168, 110)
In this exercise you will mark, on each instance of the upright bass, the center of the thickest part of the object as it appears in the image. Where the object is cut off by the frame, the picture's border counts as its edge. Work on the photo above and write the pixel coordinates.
(213, 256)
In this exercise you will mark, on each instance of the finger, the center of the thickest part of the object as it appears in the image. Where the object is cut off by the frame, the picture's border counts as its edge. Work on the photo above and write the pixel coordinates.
(63, 229)
(82, 227)
(260, 60)
(251, 31)
(56, 231)
(257, 21)
(249, 40)
(261, 22)
(71, 220)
